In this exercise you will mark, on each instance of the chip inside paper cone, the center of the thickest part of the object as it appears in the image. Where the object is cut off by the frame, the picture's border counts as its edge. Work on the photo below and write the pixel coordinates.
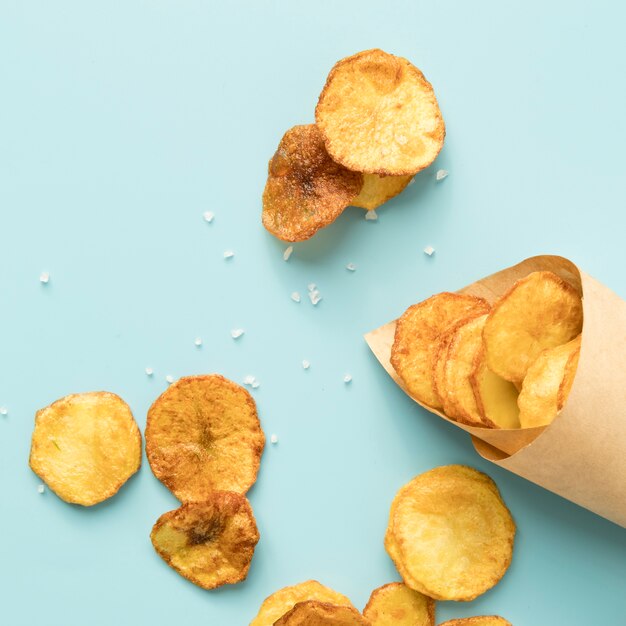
(85, 446)
(283, 600)
(210, 543)
(396, 604)
(451, 532)
(377, 190)
(305, 190)
(314, 613)
(379, 115)
(481, 620)
(203, 435)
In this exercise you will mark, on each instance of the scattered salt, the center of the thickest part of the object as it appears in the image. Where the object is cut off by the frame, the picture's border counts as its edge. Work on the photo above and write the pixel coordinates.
(249, 379)
(295, 296)
(429, 250)
(305, 364)
(347, 379)
(287, 253)
(208, 216)
(44, 278)
(274, 438)
(440, 175)
(256, 384)
(229, 254)
(237, 332)
(149, 371)
(169, 379)
(4, 410)
(351, 267)
(314, 297)
(371, 215)
(312, 287)
(198, 342)
(41, 488)
(411, 182)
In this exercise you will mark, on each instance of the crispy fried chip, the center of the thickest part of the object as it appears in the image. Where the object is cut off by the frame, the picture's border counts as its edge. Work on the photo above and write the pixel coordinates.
(416, 338)
(210, 543)
(396, 604)
(85, 446)
(285, 599)
(203, 435)
(379, 115)
(547, 384)
(540, 311)
(482, 620)
(377, 190)
(314, 613)
(496, 398)
(305, 190)
(451, 532)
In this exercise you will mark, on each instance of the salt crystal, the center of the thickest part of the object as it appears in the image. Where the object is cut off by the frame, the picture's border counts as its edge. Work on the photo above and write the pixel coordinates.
(347, 379)
(249, 379)
(295, 296)
(149, 371)
(41, 488)
(229, 254)
(274, 439)
(198, 342)
(351, 267)
(314, 297)
(256, 384)
(44, 278)
(169, 379)
(306, 364)
(411, 182)
(208, 216)
(440, 175)
(429, 250)
(4, 410)
(236, 333)
(287, 253)
(371, 215)
(312, 287)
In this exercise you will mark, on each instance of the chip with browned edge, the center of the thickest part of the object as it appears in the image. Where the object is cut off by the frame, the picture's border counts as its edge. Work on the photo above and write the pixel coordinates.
(210, 543)
(203, 435)
(315, 613)
(377, 190)
(450, 534)
(85, 446)
(379, 115)
(305, 190)
(396, 604)
(481, 620)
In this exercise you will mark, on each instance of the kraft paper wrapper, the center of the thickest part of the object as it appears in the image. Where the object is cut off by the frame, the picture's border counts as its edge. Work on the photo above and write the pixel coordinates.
(581, 455)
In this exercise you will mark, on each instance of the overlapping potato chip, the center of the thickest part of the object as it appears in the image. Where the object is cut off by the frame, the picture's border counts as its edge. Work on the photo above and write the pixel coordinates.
(496, 398)
(203, 435)
(377, 190)
(416, 338)
(283, 600)
(210, 543)
(451, 532)
(547, 384)
(85, 446)
(379, 115)
(314, 613)
(396, 604)
(540, 311)
(482, 620)
(305, 190)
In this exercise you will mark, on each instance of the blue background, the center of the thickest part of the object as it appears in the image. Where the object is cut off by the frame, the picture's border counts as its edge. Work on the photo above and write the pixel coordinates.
(121, 122)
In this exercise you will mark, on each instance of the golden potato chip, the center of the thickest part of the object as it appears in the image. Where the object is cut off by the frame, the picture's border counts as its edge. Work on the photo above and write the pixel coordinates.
(540, 311)
(85, 446)
(379, 115)
(285, 599)
(482, 620)
(451, 532)
(305, 190)
(203, 435)
(396, 604)
(210, 543)
(547, 383)
(496, 398)
(416, 339)
(314, 613)
(377, 190)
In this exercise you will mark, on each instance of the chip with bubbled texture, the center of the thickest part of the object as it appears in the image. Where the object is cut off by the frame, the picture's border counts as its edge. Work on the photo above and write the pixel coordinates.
(395, 604)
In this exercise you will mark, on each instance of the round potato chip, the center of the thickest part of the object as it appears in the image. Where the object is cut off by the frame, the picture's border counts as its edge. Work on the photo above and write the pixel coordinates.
(203, 435)
(547, 384)
(452, 532)
(540, 311)
(396, 604)
(379, 115)
(482, 620)
(314, 613)
(285, 599)
(85, 446)
(305, 190)
(210, 543)
(377, 190)
(416, 339)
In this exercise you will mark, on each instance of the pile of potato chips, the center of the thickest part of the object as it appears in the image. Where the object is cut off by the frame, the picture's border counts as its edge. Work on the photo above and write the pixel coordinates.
(509, 365)
(377, 124)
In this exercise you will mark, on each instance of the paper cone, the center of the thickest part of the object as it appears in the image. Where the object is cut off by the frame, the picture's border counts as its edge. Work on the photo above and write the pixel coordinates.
(581, 455)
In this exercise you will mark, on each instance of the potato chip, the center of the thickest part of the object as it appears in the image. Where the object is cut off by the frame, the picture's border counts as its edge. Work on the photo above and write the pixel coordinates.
(416, 339)
(496, 398)
(314, 613)
(547, 383)
(285, 599)
(305, 190)
(540, 311)
(396, 604)
(482, 620)
(377, 190)
(379, 115)
(210, 543)
(451, 532)
(203, 435)
(85, 446)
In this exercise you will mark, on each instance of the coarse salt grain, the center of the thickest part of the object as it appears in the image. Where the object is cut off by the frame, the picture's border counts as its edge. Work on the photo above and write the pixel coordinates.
(149, 371)
(351, 267)
(44, 278)
(411, 182)
(274, 439)
(295, 296)
(198, 342)
(287, 253)
(236, 333)
(41, 488)
(208, 216)
(440, 175)
(256, 384)
(371, 215)
(315, 297)
(347, 379)
(4, 410)
(169, 379)
(312, 287)
(249, 379)
(229, 254)
(429, 250)
(305, 364)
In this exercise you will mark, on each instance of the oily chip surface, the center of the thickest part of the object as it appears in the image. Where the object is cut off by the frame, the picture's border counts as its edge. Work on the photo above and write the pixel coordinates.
(379, 115)
(210, 543)
(417, 334)
(85, 446)
(305, 190)
(481, 620)
(203, 435)
(283, 600)
(377, 190)
(314, 613)
(451, 532)
(396, 604)
(540, 311)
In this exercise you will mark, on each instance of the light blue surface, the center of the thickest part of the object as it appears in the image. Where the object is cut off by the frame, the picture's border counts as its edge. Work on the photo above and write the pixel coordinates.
(122, 122)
